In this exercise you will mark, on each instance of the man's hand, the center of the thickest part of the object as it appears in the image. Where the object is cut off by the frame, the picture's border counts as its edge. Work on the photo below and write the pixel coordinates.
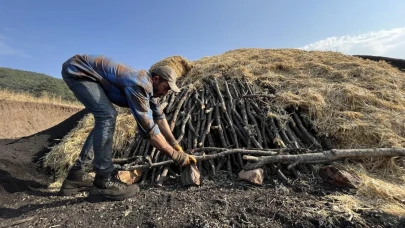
(176, 154)
(183, 159)
(178, 148)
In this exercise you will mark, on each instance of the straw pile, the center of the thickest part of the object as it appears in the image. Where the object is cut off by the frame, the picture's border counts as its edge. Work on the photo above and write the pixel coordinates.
(179, 64)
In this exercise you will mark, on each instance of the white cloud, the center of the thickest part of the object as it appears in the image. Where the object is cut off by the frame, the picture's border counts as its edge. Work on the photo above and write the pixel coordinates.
(6, 49)
(389, 43)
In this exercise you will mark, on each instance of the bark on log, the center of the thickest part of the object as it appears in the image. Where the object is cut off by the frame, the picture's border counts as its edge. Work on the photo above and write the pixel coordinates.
(221, 98)
(176, 112)
(259, 95)
(329, 155)
(305, 132)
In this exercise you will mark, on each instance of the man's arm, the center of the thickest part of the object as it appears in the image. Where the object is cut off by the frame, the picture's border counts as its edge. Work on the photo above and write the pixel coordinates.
(160, 119)
(181, 158)
(165, 130)
(148, 128)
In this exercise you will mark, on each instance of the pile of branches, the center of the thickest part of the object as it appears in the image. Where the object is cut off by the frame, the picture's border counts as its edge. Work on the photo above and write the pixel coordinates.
(230, 129)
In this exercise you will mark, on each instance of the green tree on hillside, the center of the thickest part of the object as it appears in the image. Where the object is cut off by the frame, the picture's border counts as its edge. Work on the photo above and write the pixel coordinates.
(34, 83)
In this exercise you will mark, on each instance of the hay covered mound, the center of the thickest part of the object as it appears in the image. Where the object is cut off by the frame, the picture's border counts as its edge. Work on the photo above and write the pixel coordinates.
(357, 103)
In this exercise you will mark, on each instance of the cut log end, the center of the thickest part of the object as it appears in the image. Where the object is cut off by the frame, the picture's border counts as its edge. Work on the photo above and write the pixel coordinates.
(130, 177)
(190, 176)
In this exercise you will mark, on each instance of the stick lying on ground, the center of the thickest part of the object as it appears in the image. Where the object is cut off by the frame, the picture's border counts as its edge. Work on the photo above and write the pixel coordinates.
(278, 156)
(326, 156)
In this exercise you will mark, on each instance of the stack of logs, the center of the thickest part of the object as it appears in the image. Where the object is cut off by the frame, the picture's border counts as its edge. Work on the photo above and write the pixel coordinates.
(231, 129)
(233, 120)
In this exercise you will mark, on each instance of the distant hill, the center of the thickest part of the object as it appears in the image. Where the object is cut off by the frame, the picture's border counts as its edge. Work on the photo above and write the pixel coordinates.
(34, 83)
(398, 63)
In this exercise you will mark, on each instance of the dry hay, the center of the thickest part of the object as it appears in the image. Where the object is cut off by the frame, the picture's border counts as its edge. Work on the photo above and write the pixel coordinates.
(357, 103)
(179, 64)
(45, 98)
(63, 155)
(380, 189)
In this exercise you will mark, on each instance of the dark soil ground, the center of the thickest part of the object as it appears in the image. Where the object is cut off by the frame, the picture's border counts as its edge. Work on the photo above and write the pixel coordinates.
(219, 202)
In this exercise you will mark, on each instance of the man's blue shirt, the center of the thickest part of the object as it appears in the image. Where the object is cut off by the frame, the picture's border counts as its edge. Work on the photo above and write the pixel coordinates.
(124, 86)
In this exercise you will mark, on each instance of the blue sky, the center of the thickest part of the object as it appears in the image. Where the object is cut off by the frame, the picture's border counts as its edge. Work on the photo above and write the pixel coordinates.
(40, 35)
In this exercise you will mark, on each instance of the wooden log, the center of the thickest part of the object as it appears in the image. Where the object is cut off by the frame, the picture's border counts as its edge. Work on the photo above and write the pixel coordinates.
(277, 138)
(146, 150)
(190, 138)
(221, 98)
(211, 162)
(228, 158)
(296, 142)
(259, 96)
(329, 155)
(257, 151)
(254, 122)
(235, 92)
(134, 149)
(122, 161)
(206, 132)
(281, 131)
(239, 125)
(270, 135)
(150, 157)
(305, 132)
(171, 101)
(248, 86)
(183, 128)
(204, 157)
(200, 112)
(176, 112)
(131, 146)
(190, 176)
(242, 88)
(228, 93)
(245, 121)
(176, 100)
(264, 135)
(220, 130)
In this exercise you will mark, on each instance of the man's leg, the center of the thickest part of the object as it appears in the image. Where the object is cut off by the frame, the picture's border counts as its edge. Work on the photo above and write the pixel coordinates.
(93, 97)
(86, 155)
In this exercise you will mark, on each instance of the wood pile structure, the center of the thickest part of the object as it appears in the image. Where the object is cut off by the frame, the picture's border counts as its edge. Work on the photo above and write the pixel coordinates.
(227, 127)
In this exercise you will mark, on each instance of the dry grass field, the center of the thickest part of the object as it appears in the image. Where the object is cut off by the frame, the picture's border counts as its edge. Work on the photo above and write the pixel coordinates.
(24, 115)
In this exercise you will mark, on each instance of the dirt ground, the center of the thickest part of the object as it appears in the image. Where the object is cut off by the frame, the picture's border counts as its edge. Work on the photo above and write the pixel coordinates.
(23, 118)
(220, 201)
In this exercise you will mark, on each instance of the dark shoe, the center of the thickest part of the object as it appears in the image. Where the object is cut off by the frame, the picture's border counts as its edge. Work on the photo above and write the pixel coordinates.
(76, 181)
(110, 187)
